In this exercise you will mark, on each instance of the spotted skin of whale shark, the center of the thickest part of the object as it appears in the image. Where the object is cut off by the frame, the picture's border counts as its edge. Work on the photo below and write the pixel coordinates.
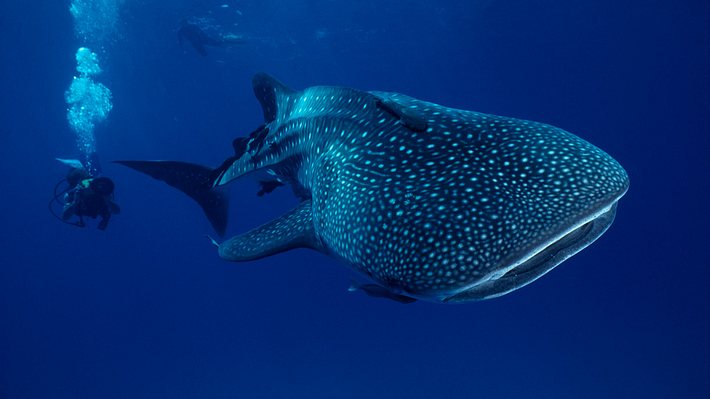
(423, 201)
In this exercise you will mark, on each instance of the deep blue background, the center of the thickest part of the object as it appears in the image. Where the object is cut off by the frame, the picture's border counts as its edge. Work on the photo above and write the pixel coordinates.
(147, 310)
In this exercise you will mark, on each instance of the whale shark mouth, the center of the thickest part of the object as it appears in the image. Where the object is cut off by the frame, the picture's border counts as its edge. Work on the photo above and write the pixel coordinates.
(540, 260)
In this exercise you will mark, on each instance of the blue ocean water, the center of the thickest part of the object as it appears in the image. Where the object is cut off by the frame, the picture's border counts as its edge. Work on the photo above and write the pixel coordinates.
(146, 309)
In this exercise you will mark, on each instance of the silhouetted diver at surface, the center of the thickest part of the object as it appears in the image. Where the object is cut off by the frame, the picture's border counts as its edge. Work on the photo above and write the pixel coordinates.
(197, 33)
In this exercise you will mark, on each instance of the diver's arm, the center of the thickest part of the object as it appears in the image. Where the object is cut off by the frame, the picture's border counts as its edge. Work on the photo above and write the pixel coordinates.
(104, 221)
(231, 38)
(114, 208)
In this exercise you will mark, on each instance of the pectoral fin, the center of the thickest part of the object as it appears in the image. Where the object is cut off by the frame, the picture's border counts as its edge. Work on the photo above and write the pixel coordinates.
(292, 230)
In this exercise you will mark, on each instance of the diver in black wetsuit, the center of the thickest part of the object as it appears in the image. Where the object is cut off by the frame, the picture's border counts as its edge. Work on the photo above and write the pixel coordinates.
(200, 34)
(85, 196)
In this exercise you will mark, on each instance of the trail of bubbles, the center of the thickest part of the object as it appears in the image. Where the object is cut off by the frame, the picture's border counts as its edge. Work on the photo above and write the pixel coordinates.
(89, 101)
(95, 23)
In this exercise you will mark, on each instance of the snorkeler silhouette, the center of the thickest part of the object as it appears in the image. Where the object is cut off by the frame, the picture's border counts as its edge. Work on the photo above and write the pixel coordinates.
(200, 33)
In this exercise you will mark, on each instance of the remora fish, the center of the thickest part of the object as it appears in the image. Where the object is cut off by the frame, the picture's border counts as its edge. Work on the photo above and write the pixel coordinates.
(425, 201)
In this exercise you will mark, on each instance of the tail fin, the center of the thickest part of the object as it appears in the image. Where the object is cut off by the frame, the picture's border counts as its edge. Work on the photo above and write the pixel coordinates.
(193, 180)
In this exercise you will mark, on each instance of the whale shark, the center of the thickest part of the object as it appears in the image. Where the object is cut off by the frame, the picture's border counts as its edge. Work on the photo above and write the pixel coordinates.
(422, 201)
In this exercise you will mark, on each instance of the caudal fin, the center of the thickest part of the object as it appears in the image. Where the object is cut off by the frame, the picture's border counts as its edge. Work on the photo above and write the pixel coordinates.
(193, 180)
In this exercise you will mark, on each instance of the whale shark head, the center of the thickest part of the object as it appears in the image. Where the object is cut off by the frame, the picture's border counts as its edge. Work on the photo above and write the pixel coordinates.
(422, 200)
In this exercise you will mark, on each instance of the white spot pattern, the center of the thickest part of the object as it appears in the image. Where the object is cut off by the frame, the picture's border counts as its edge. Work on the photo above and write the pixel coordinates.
(429, 212)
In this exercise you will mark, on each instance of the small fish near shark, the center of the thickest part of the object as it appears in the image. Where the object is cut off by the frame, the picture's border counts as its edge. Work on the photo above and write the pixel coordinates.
(423, 201)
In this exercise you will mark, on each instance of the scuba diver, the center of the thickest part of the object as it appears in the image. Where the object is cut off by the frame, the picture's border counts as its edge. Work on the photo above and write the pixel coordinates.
(199, 32)
(85, 194)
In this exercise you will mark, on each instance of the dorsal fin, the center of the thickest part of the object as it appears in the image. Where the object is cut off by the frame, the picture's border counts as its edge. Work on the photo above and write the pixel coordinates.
(270, 93)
